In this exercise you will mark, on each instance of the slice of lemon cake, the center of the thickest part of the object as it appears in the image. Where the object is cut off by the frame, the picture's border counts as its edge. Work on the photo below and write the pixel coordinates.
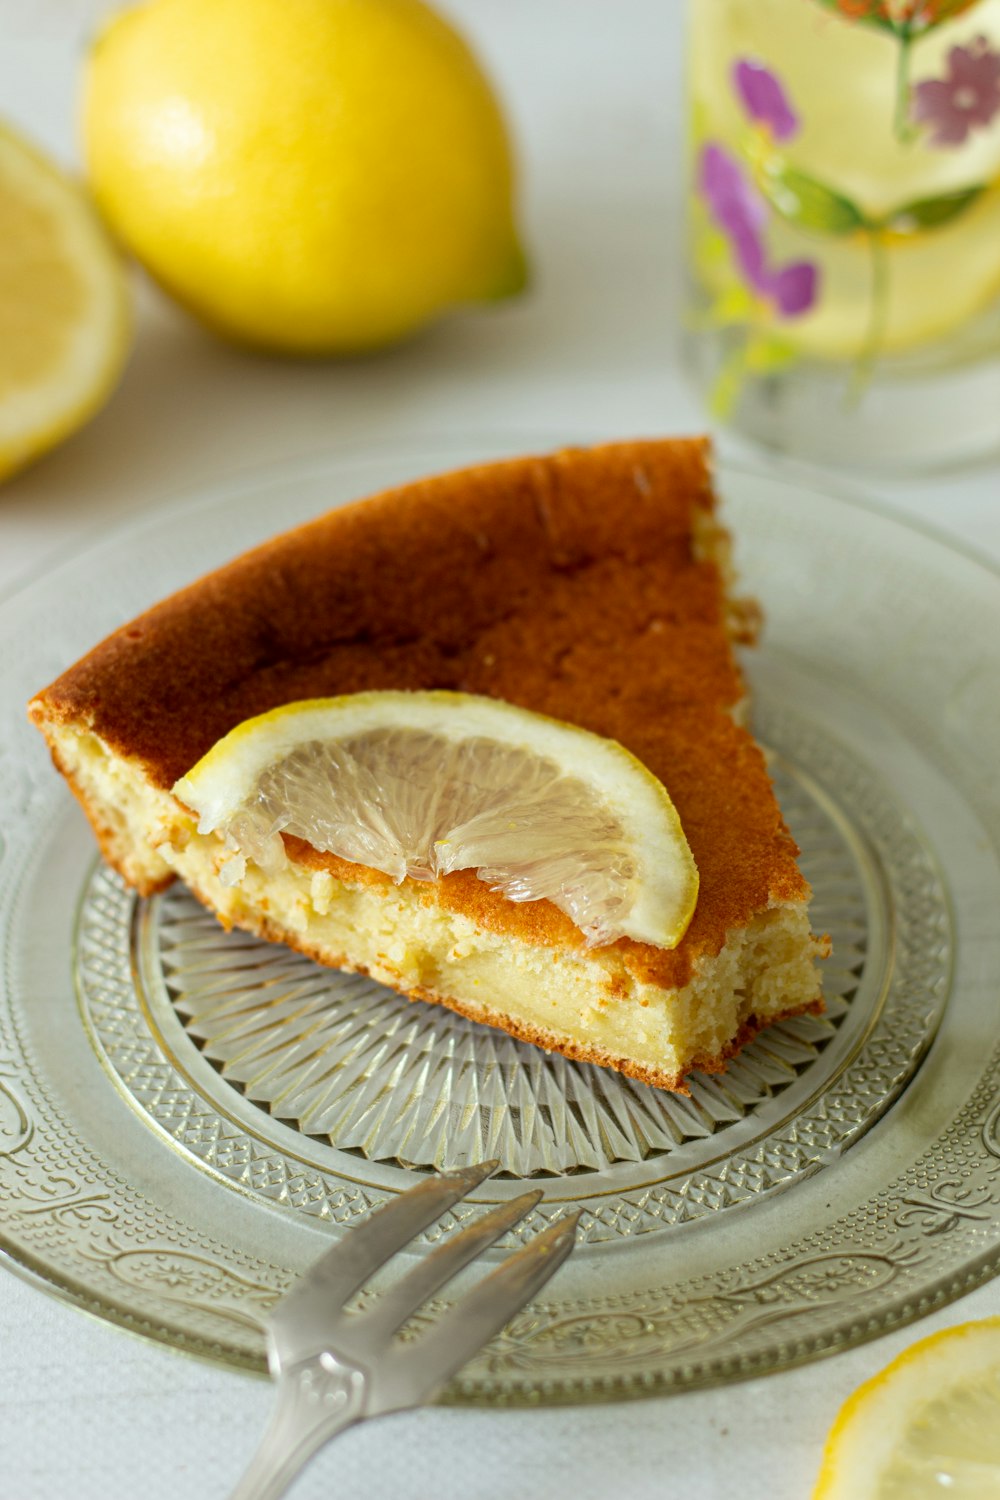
(589, 587)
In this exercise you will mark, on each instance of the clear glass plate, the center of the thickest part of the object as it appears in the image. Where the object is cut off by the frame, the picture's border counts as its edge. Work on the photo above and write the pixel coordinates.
(186, 1115)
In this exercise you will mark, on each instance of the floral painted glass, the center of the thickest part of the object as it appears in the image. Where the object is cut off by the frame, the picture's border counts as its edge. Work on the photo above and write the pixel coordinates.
(845, 224)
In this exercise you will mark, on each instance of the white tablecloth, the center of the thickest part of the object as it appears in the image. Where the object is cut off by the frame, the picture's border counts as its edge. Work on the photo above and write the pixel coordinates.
(595, 92)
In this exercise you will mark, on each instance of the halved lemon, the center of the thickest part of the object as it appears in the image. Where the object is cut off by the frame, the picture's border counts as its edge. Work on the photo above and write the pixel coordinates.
(63, 306)
(927, 1425)
(421, 784)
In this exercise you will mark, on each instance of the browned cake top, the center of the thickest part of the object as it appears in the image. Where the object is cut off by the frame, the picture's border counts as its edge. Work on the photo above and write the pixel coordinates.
(568, 584)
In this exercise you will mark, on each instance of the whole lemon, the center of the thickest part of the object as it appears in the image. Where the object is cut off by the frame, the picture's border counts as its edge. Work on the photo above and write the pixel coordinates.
(309, 176)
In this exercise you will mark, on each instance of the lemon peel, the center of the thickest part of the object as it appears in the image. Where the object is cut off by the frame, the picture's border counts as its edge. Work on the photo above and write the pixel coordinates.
(308, 176)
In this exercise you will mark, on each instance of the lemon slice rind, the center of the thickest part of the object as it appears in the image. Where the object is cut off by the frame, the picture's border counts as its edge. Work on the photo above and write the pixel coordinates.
(664, 891)
(870, 1445)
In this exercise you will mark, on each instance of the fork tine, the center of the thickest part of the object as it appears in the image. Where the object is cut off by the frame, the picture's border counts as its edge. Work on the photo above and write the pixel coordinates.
(416, 1371)
(313, 1303)
(444, 1262)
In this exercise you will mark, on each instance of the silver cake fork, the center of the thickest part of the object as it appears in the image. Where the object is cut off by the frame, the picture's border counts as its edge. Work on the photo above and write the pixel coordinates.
(335, 1368)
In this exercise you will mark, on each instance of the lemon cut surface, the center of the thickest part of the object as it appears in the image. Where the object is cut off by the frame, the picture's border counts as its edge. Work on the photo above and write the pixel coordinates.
(63, 306)
(928, 1425)
(421, 784)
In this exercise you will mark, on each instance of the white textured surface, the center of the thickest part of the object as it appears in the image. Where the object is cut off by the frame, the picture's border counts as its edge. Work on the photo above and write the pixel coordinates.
(594, 89)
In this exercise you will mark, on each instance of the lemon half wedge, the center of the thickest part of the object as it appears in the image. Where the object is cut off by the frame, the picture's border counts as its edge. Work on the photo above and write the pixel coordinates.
(63, 306)
(927, 1425)
(421, 784)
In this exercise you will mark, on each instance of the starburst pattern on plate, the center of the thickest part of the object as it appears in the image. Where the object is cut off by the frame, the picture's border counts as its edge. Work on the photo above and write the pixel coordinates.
(343, 1059)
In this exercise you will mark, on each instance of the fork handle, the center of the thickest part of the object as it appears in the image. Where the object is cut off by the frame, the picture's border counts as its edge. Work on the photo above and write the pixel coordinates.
(317, 1399)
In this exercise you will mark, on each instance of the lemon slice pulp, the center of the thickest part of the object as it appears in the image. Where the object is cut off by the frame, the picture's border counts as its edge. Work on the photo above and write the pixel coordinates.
(63, 306)
(421, 784)
(926, 1425)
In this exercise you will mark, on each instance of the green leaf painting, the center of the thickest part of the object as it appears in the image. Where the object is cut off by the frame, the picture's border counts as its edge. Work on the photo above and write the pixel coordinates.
(930, 213)
(804, 201)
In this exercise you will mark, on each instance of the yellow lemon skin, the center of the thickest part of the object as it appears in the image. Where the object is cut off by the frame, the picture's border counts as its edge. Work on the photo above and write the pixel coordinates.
(307, 176)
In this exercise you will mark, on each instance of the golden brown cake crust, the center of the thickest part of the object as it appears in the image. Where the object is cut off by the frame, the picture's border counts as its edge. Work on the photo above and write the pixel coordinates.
(568, 584)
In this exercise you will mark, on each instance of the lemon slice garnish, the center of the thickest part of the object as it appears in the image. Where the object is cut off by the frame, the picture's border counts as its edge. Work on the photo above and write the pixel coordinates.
(927, 1425)
(421, 784)
(63, 306)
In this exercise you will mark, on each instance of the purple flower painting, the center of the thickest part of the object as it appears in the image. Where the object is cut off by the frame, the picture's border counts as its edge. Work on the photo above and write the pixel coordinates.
(969, 95)
(765, 101)
(737, 207)
(742, 214)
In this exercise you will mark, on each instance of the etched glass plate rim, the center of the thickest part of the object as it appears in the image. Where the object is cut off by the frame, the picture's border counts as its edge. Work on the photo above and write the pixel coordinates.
(982, 1112)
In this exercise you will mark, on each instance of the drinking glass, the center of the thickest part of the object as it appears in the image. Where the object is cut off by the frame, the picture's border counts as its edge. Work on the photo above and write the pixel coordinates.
(844, 225)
